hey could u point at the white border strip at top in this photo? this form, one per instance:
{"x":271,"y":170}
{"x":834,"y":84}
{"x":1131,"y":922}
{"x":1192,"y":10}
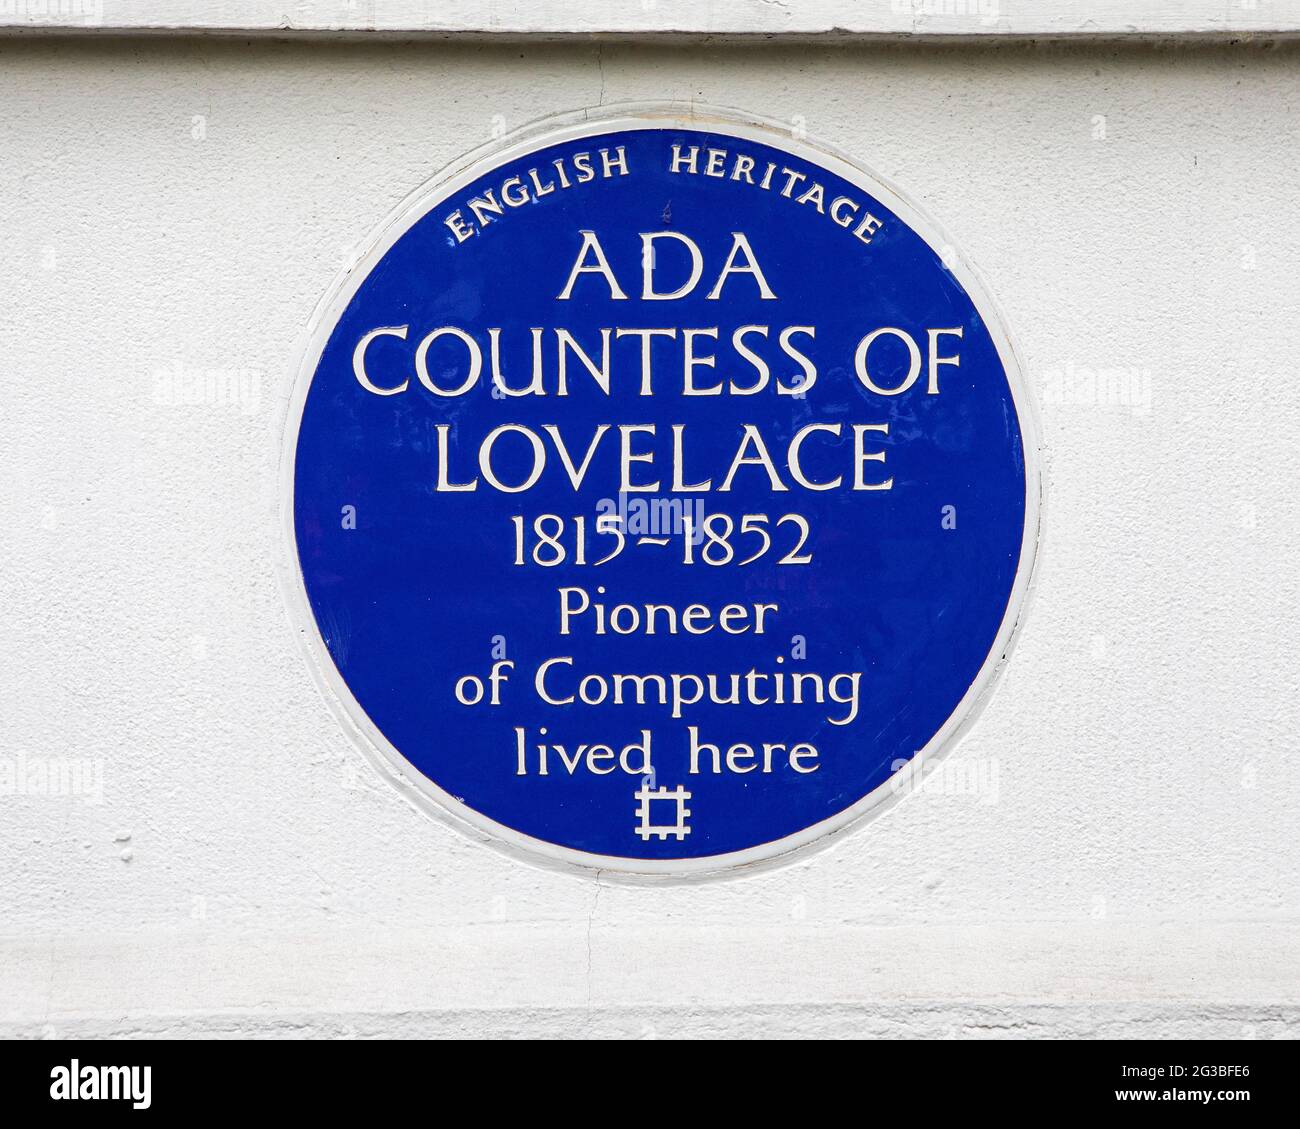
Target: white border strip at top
{"x":840,"y":19}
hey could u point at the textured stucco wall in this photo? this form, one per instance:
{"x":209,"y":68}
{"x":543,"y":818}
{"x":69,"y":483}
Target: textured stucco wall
{"x":173,"y":206}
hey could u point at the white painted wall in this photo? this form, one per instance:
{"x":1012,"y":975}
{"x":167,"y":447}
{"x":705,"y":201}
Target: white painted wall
{"x":180,"y":204}
{"x":838,"y":19}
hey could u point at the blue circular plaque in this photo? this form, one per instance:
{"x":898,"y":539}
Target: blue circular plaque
{"x":662,"y":493}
